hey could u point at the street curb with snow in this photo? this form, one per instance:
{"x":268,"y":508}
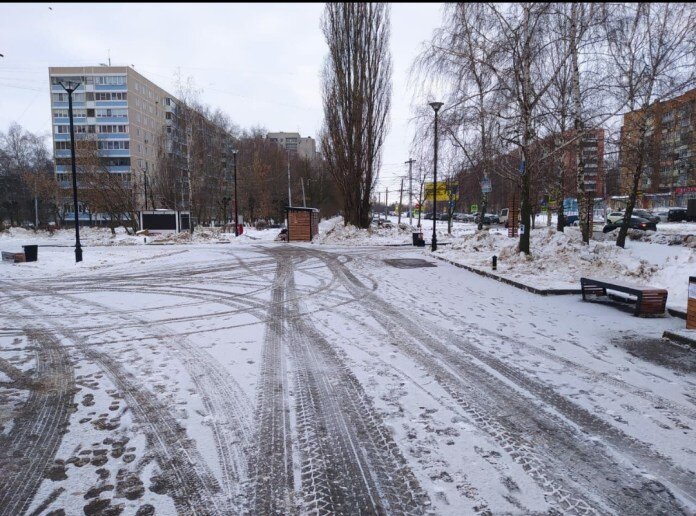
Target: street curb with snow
{"x":528,"y":288}
{"x":682,"y":337}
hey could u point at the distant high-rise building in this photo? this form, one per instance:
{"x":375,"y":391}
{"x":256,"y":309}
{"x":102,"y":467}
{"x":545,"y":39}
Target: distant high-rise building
{"x":293,"y":142}
{"x":125,"y":114}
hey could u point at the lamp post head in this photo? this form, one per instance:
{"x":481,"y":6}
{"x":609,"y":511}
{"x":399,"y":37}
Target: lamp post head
{"x":436,"y":106}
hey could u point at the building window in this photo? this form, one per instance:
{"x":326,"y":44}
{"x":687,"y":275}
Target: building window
{"x":114,"y":113}
{"x":108,"y":129}
{"x":110,"y":80}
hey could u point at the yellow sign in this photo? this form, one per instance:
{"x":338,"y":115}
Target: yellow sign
{"x":445,"y":191}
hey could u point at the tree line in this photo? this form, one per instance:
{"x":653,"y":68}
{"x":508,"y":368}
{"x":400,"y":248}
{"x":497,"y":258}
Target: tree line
{"x":523,"y":83}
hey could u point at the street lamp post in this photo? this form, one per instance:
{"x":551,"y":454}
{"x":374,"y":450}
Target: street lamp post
{"x":70,"y":89}
{"x":436,"y":107}
{"x":145,"y":181}
{"x":236,"y":203}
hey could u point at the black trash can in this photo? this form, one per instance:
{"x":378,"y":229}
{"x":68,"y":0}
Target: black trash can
{"x":418,"y":239}
{"x":31,"y":252}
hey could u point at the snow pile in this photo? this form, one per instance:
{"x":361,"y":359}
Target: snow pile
{"x":559,"y":260}
{"x":333,"y":231}
{"x":13,"y":239}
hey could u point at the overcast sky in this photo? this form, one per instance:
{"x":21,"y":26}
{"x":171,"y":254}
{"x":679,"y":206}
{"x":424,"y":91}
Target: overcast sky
{"x":259,"y":63}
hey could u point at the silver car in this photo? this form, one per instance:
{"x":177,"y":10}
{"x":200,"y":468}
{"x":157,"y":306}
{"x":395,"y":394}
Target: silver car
{"x":614,"y":216}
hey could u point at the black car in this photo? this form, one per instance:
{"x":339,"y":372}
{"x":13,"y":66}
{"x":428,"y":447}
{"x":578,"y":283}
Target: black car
{"x":634,"y":223}
{"x":489,"y":218}
{"x":676,"y":214}
{"x":644,"y":214}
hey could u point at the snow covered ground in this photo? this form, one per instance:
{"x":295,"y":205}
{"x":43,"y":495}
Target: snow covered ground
{"x":271,"y":378}
{"x":664,"y":259}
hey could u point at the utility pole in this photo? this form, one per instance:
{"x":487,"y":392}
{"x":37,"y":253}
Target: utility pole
{"x":36,"y":204}
{"x":304,"y":201}
{"x":289,"y":191}
{"x":401,"y":196}
{"x":379,"y":201}
{"x":410,"y":191}
{"x":386,"y":204}
{"x":236,"y":203}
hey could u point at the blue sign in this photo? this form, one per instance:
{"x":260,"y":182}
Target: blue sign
{"x":521,"y":167}
{"x":570,"y":206}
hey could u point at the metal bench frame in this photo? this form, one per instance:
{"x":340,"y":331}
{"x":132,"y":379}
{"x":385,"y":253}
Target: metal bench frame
{"x":650,"y":300}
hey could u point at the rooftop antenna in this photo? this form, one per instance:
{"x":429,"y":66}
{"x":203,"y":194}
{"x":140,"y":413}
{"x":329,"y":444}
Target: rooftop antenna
{"x":109,"y":55}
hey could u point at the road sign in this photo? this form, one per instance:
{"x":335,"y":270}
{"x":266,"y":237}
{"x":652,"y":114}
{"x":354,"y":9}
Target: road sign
{"x":474,"y":208}
{"x":485,"y":185}
{"x":445,"y":191}
{"x":522,"y":167}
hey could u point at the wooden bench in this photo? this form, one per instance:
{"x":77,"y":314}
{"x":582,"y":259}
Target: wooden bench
{"x":649,"y":300}
{"x":13,"y":257}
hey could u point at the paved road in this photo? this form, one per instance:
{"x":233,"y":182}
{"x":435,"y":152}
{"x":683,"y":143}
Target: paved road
{"x":307,"y":380}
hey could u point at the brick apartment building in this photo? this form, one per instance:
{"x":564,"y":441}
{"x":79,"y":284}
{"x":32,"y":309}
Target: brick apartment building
{"x":669,"y":170}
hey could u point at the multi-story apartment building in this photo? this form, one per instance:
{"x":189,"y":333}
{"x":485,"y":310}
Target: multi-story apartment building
{"x":669,"y":166}
{"x":292,"y":142}
{"x":128,"y":115}
{"x":556,"y":175}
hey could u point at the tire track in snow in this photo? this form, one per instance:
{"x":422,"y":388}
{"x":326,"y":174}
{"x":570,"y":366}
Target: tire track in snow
{"x":350,"y":462}
{"x":476,"y":389}
{"x":272,"y":486}
{"x":193,"y":488}
{"x":32,"y":443}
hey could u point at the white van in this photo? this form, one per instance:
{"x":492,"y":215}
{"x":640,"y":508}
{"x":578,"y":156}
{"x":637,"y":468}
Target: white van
{"x":504,"y":216}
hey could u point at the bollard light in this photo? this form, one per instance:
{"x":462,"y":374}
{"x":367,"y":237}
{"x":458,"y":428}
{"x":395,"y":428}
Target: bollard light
{"x":495,"y":263}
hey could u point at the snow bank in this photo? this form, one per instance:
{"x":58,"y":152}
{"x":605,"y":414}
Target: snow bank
{"x":559,"y":260}
{"x":333,"y":231}
{"x":13,"y":238}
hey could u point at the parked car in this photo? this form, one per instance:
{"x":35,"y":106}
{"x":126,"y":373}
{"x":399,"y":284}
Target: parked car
{"x":635,"y":223}
{"x":691,"y":210}
{"x":662,"y":214}
{"x":488,"y":218}
{"x":444,"y":216}
{"x":459,"y":216}
{"x":676,"y":214}
{"x":572,"y":220}
{"x":645,"y":214}
{"x":428,"y":216}
{"x":614,"y":216}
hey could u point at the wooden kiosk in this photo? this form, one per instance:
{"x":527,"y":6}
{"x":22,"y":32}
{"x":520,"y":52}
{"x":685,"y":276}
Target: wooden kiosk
{"x":303,"y":224}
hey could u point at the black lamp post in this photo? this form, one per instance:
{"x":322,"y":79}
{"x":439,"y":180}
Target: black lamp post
{"x":236,"y":203}
{"x":70,"y":88}
{"x":145,"y":178}
{"x":436,"y":107}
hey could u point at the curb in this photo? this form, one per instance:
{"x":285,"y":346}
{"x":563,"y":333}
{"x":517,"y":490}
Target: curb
{"x":674,"y":312}
{"x":533,"y":290}
{"x":681,"y":339}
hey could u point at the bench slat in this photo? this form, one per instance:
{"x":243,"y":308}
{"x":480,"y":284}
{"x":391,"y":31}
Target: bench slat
{"x":650,"y":300}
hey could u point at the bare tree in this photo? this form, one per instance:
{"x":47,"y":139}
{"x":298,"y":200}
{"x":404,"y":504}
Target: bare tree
{"x":24,"y":167}
{"x":652,"y":58}
{"x":462,"y":55}
{"x":111,"y":195}
{"x":356,"y":97}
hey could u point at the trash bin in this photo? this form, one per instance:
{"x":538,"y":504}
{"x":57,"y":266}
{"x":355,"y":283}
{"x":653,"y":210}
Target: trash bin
{"x":31,"y":252}
{"x":418,"y":239}
{"x":240,"y":229}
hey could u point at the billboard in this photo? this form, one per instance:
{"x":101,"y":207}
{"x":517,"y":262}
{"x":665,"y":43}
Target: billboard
{"x":445,"y":191}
